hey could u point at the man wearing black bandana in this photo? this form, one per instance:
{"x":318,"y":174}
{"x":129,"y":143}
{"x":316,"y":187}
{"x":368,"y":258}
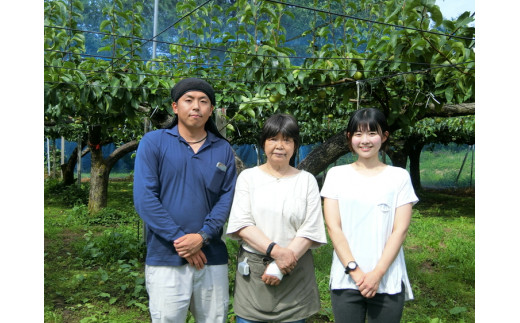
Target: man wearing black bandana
{"x":184,"y":181}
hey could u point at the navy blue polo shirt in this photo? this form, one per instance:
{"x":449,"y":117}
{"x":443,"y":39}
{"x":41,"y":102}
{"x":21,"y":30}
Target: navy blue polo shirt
{"x":177,"y":191}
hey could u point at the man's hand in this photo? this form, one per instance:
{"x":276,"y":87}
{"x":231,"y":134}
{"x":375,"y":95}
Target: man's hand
{"x":188,"y":245}
{"x":198,"y":260}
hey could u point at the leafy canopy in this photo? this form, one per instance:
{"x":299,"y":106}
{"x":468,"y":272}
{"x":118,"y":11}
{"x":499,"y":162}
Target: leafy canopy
{"x":318,"y":60}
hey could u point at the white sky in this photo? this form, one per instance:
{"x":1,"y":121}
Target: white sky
{"x":497,"y":175}
{"x":453,"y":8}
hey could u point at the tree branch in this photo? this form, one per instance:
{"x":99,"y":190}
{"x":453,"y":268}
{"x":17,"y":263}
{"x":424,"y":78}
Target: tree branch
{"x":451,"y":110}
{"x":160,"y":119}
{"x":121,"y":151}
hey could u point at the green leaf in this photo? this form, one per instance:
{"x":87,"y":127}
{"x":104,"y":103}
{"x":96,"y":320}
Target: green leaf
{"x":436,"y":15}
{"x":281,"y":89}
{"x":123,"y":42}
{"x":458,"y":310}
{"x":458,"y":46}
{"x":103,"y":24}
{"x":105,"y":48}
{"x":428,"y":3}
{"x":412,"y":5}
{"x":449,"y":94}
{"x":250,"y":112}
{"x":438,"y":76}
{"x":114,"y":84}
{"x":78,"y":4}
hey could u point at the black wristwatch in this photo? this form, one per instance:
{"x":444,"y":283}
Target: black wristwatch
{"x":351,"y":266}
{"x":205,"y":237}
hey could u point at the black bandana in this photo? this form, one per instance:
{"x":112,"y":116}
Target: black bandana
{"x":193,"y":84}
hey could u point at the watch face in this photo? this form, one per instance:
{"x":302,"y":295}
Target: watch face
{"x":352,"y":265}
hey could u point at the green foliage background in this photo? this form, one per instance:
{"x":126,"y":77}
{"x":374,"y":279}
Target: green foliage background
{"x":323,"y":58}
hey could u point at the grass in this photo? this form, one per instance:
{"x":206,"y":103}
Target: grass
{"x":440,"y":255}
{"x":440,"y":168}
{"x":94,"y":265}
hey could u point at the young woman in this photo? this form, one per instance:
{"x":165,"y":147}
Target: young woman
{"x":367,"y":208}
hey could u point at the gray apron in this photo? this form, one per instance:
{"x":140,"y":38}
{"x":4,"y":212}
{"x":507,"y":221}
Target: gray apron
{"x":296,"y":298}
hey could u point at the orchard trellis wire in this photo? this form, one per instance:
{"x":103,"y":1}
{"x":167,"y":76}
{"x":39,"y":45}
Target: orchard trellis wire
{"x":154,"y":39}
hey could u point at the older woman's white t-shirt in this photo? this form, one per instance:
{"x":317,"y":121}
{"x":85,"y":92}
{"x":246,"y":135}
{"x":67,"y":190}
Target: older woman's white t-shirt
{"x":282,"y":208}
{"x":367,"y":209}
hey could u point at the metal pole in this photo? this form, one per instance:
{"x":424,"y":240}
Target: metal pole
{"x":155,"y":15}
{"x":147,"y":123}
{"x":62,"y":150}
{"x":472,"y":161}
{"x":48,"y":158}
{"x":462,"y":166}
{"x":79,"y":161}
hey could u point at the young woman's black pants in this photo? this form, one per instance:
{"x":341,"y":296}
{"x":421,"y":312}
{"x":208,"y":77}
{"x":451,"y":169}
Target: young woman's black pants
{"x":350,"y":307}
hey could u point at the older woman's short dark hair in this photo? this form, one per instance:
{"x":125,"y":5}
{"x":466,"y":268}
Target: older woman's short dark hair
{"x":285,"y":124}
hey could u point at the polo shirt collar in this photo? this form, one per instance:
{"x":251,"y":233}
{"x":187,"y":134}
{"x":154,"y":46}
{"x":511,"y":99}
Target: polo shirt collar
{"x":175,"y":132}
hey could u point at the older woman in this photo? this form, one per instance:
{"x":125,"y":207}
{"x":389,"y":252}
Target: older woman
{"x":277,"y":217}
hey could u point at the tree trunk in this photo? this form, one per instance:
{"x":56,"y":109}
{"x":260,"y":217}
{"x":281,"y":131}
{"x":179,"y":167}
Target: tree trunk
{"x":325,"y":154}
{"x":415,"y":170}
{"x":398,"y":153}
{"x":100,"y":173}
{"x":67,"y":169}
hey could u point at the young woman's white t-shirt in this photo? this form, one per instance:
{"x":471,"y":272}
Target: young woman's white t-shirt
{"x":367,"y":209}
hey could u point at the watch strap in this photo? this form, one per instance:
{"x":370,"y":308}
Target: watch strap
{"x":205,"y":237}
{"x":269,"y":249}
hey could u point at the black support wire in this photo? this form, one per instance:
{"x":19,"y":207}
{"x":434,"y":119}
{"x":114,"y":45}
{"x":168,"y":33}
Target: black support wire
{"x":242,"y":81}
{"x":225,"y":51}
{"x":368,"y":20}
{"x":255,"y":67}
{"x":153,"y":38}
